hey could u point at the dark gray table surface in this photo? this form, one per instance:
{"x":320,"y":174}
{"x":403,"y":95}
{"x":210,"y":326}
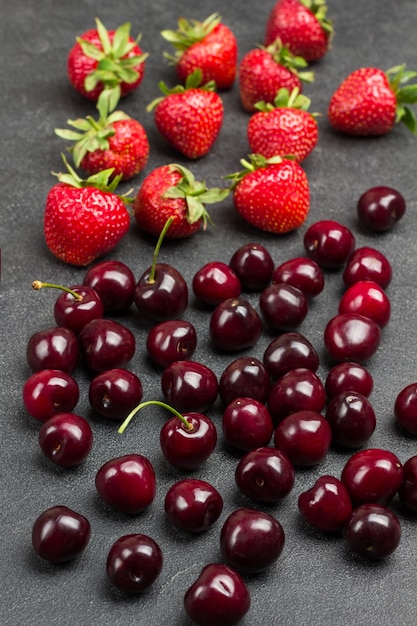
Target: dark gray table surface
{"x":316,"y":580}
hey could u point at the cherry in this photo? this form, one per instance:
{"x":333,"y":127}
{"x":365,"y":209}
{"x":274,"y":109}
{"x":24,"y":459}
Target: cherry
{"x":106,"y":344}
{"x":302,"y":273}
{"x":405,"y":408}
{"x":407,"y":492}
{"x":351,"y":418}
{"x":60,"y":534}
{"x":297,"y":390}
{"x":348,"y":376}
{"x":372,"y":475}
{"x":287,"y":352}
{"x":251,"y":541}
{"x":215,"y":282}
{"x":218,"y":597}
{"x":189,"y":386}
{"x":53,"y":348}
{"x":304,"y":437}
{"x":373,"y":531}
{"x":48,"y":392}
{"x":127,"y":483}
{"x":235,"y":325}
{"x":253,"y":265}
{"x":265,"y":475}
{"x":169,"y":341}
{"x":114,"y":282}
{"x":133,"y":563}
{"x":329,"y":243}
{"x":367,"y":298}
{"x":283,"y":306}
{"x":193,"y":505}
{"x":244,"y":376}
{"x":380,"y":208}
{"x":326,"y":505}
{"x":66,"y":439}
{"x":367,"y":263}
{"x":247,"y":424}
{"x":351,"y":337}
{"x":114,"y":393}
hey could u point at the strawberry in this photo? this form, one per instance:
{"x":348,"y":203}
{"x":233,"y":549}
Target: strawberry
{"x":209,"y":46}
{"x":114,"y":140}
{"x":84,"y":220}
{"x":171,"y":191}
{"x":189,"y":117}
{"x":370,"y":101}
{"x":284,"y":128}
{"x":271,"y":194}
{"x":109,"y":61}
{"x":265,"y":70}
{"x":301,"y":25}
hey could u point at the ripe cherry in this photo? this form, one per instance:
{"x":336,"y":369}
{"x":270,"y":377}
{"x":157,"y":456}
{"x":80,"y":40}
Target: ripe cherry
{"x":66,"y":439}
{"x":114,"y":393}
{"x":287,"y":352}
{"x":173,"y":340}
{"x":265,"y":475}
{"x":367,"y":263}
{"x":297,"y":390}
{"x":380,"y":208}
{"x":189,"y":385}
{"x":302,"y":273}
{"x":60,"y":534}
{"x":329,"y":243}
{"x":114,"y":282}
{"x":134,"y":562}
{"x":244,"y":376}
{"x":215,"y":282}
{"x":48,"y":392}
{"x":373,"y":531}
{"x":106,"y":344}
{"x":283,"y":306}
{"x":193,"y":505}
{"x":253,"y":265}
{"x":53,"y":348}
{"x":367,"y":298}
{"x":405,"y":408}
{"x":348,"y":376}
{"x":351,"y":337}
{"x":247,"y":424}
{"x":372,"y":475}
{"x":351,"y":418}
{"x":235,"y":325}
{"x":304,"y":437}
{"x":408,"y":488}
{"x":326,"y":505}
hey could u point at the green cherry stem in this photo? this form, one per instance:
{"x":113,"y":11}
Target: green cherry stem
{"x":38,"y":284}
{"x":167,"y":224}
{"x":140,"y":406}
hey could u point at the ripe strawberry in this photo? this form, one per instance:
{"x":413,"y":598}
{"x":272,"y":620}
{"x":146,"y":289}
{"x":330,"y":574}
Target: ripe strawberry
{"x":106,"y":60}
{"x":301,"y":25}
{"x":370,"y":101}
{"x":172,"y":191}
{"x":284,"y":128}
{"x":271,"y":194}
{"x":190,"y":117}
{"x":209,"y":46}
{"x":263,"y":71}
{"x":84,"y":220}
{"x":114,"y":140}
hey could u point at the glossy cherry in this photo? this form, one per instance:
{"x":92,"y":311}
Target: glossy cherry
{"x":114,"y":282}
{"x":380,"y":208}
{"x":408,"y":488}
{"x":114,"y":393}
{"x":265,"y":475}
{"x":351,"y":337}
{"x":235,"y":325}
{"x":189,"y":385}
{"x":244,"y":376}
{"x":106,"y":344}
{"x":173,"y":340}
{"x":351,"y":418}
{"x":373,"y":531}
{"x":367,"y":298}
{"x":134,"y":562}
{"x":367,"y":263}
{"x":48,"y":392}
{"x":329,"y":243}
{"x":60,"y":534}
{"x":253,"y":265}
{"x":66,"y":439}
{"x":302,"y":273}
{"x":193,"y":505}
{"x":297,"y":390}
{"x":348,"y":376}
{"x":372,"y":475}
{"x":304,"y":437}
{"x":251,"y":541}
{"x":405,"y":408}
{"x":215,"y":282}
{"x":326,"y":505}
{"x":53,"y":348}
{"x":290,"y":351}
{"x":247,"y":424}
{"x":283,"y":306}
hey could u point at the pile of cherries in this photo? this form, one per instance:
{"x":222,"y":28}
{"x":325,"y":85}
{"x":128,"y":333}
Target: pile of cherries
{"x":278,"y":399}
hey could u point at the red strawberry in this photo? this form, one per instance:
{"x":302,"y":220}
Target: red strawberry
{"x":84,"y":219}
{"x":370,"y":101}
{"x":271,"y":194}
{"x":284,"y":128}
{"x":301,"y":25}
{"x":172,"y":191}
{"x":189,"y":117}
{"x":263,"y":71}
{"x":209,"y":46}
{"x":115,"y":141}
{"x":106,"y":60}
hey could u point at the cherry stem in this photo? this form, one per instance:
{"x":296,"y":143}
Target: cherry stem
{"x":140,"y":406}
{"x":37,"y":284}
{"x":167,"y":224}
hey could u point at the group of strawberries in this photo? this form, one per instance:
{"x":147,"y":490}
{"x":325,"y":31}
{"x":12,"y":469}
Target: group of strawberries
{"x":85,"y":219}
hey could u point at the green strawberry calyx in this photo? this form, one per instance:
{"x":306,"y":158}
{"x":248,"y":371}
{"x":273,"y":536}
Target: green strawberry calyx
{"x":283,"y":56}
{"x":285,"y":99}
{"x":319,"y":10}
{"x":251,"y":164}
{"x":406,"y":94}
{"x":189,"y":32}
{"x":193,"y":81}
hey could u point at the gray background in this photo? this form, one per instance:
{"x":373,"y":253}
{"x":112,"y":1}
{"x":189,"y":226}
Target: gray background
{"x":317,"y":580}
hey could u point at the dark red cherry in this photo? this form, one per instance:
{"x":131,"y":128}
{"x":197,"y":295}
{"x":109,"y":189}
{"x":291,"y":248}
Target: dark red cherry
{"x":265,"y":475}
{"x":367,"y":298}
{"x":253,"y":265}
{"x":329,"y":243}
{"x":367,"y":263}
{"x":60,"y":534}
{"x":218,"y":597}
{"x":188,"y":446}
{"x":127,"y":483}
{"x":351,"y":418}
{"x":251,"y":541}
{"x":348,"y":376}
{"x":53,"y":348}
{"x":106,"y":344}
{"x":405,"y":408}
{"x":372,"y":475}
{"x":326,"y":505}
{"x":302,"y":273}
{"x":408,"y":488}
{"x":297,"y":390}
{"x":173,"y":340}
{"x":215,"y":282}
{"x":193,"y":505}
{"x":380,"y":208}
{"x":283,"y":306}
{"x":304,"y":437}
{"x":244,"y":376}
{"x":247,"y":424}
{"x":373,"y":531}
{"x":351,"y":337}
{"x":134,"y":562}
{"x":48,"y":392}
{"x":189,"y":386}
{"x":287,"y":352}
{"x":114,"y":282}
{"x":161,"y":295}
{"x":114,"y":393}
{"x":235,"y":325}
{"x":66,"y":439}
